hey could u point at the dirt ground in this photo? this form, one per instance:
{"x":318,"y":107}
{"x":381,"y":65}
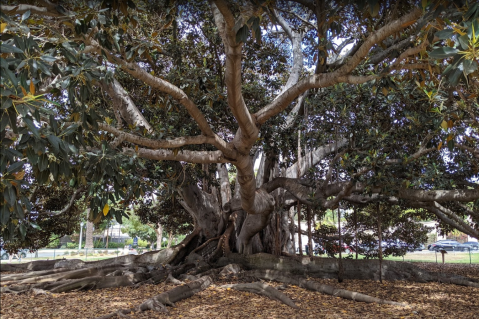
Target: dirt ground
{"x":430,"y":300}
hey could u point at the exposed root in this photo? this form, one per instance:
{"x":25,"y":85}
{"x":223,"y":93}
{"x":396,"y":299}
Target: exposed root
{"x":264,"y":290}
{"x":231,"y":269}
{"x":173,"y":280}
{"x":167,"y":298}
{"x":314,"y":286}
{"x":457,"y":281}
{"x":205,"y":244}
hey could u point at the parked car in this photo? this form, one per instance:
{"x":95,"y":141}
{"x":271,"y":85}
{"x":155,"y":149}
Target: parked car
{"x":445,"y":245}
{"x":469,"y":245}
{"x":4,"y":255}
{"x":409,"y":247}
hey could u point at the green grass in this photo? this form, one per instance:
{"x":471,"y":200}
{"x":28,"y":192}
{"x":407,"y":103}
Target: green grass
{"x":449,"y":258}
{"x":430,"y":257}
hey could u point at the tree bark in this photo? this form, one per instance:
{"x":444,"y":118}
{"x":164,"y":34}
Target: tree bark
{"x":159,"y":236}
{"x":89,"y":235}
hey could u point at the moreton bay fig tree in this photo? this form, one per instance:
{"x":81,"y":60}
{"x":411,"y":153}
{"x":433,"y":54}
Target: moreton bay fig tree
{"x":227,"y":114}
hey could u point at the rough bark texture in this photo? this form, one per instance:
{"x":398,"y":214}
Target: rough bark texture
{"x":264,"y":290}
{"x":89,"y":234}
{"x":311,"y":285}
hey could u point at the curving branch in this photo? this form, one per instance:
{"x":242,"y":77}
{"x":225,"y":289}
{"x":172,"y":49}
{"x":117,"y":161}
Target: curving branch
{"x":123,"y":104}
{"x":314,"y":157}
{"x":136,"y":71}
{"x":472,"y":150}
{"x":199,"y":157}
{"x":296,"y":39}
{"x":456,"y":218}
{"x":341,"y":74}
{"x":298,"y":190}
{"x":224,"y":20}
{"x":376,"y":38}
{"x":447,"y":218}
{"x":156,"y":144}
{"x":459,"y":195}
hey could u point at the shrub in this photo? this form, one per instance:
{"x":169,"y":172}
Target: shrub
{"x":54,"y":243}
{"x":116,"y":245}
{"x":98,"y":244}
{"x":72,"y":245}
{"x":141,"y":243}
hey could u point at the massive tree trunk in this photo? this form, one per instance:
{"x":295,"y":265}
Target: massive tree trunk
{"x":89,"y":235}
{"x":159,"y":236}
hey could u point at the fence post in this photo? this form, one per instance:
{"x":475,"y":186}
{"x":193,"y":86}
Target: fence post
{"x":53,"y":254}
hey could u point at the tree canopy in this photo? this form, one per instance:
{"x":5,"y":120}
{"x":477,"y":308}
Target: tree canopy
{"x":350,"y":102}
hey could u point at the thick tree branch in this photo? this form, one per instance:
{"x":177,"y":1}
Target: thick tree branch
{"x":314,"y":157}
{"x":156,"y":144}
{"x":125,"y":105}
{"x":136,"y":71}
{"x":200,"y":157}
{"x":296,"y":39}
{"x":376,"y":38}
{"x":460,"y":195}
{"x":474,"y":151}
{"x":446,"y":218}
{"x":248,"y":131}
{"x":299,"y":191}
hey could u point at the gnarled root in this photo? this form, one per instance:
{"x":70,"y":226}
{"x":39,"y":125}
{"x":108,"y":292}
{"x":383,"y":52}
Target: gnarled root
{"x":264,"y":290}
{"x":314,"y":286}
{"x":167,"y":298}
{"x":461,"y":281}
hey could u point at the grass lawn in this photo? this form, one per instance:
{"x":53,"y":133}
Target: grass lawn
{"x":450,"y":257}
{"x":430,"y":256}
{"x":424,"y":256}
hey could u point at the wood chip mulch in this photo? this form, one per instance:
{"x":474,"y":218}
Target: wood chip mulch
{"x":423,"y":300}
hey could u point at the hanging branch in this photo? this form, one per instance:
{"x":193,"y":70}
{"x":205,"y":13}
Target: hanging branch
{"x":310,"y":240}
{"x":380,"y":249}
{"x":340,"y":260}
{"x":299,"y":203}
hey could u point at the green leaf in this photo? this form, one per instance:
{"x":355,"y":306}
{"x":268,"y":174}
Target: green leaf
{"x":70,"y":129}
{"x":442,"y":53}
{"x":23,"y":231}
{"x":242,"y":34}
{"x":450,"y":145}
{"x":32,"y":127}
{"x":10,"y":75}
{"x":42,"y":162}
{"x":55,"y":143}
{"x":26,"y":15}
{"x":10,"y":195}
{"x":468,"y":66}
{"x":6,"y":48}
{"x":4,"y":121}
{"x":445,"y":34}
{"x":15,"y":167}
{"x":4,"y":214}
{"x":131,"y":4}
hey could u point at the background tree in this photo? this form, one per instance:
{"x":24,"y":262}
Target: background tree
{"x":135,"y":228}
